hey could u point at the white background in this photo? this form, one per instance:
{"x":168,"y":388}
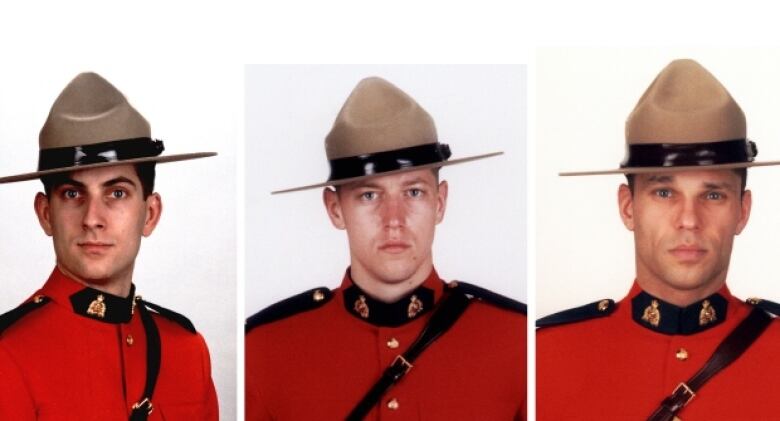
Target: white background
{"x":291,"y":245}
{"x":189,"y":262}
{"x":584,"y":96}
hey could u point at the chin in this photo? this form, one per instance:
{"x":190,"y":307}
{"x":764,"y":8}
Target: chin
{"x":395,"y":274}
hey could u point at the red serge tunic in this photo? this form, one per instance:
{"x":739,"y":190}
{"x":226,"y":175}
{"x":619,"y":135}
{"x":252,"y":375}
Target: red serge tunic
{"x":63,"y":361}
{"x":621,"y":366}
{"x":318,"y":364}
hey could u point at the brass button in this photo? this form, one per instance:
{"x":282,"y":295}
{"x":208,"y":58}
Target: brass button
{"x":393,"y":404}
{"x":38,"y":299}
{"x":603,"y":305}
{"x":129,"y":340}
{"x":753,"y":301}
{"x":682,"y":354}
{"x":392,"y":343}
{"x":453,"y":284}
{"x":318,"y":295}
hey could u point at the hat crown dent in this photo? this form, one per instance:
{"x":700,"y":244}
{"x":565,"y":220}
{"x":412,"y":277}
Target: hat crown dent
{"x":685,"y":104}
{"x":91,"y":110}
{"x":377,"y":117}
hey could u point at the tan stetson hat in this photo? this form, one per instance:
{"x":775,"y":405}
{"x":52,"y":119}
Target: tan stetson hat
{"x":685,"y":120}
{"x":381,"y":130}
{"x":90,"y":125}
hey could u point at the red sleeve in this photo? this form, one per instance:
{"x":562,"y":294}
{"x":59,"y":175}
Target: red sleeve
{"x":210,"y":394}
{"x":15,"y":400}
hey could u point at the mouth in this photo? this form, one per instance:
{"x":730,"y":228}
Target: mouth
{"x":688,"y":254}
{"x":394,"y":247}
{"x":94,"y":247}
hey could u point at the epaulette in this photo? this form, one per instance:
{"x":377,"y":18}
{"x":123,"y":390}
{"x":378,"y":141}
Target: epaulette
{"x":490,"y":297}
{"x":11,"y":317}
{"x":171,"y":315}
{"x":593,"y":310}
{"x":309,"y":300}
{"x":766,"y":305}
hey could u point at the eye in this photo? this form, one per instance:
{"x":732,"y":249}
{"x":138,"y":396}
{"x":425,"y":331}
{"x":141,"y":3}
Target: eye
{"x":368,"y":195}
{"x":415,"y":192}
{"x":118,"y":194}
{"x":663,"y":193}
{"x":70,"y":194}
{"x":713,"y":195}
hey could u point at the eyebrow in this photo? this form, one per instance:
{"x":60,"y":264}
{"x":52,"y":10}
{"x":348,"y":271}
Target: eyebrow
{"x":109,"y":183}
{"x":718,"y":186}
{"x":662,"y":179}
{"x":711,"y":185}
{"x":118,"y":180}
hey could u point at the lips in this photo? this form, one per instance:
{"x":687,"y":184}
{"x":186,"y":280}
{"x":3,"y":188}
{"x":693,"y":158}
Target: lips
{"x":94,"y":247}
{"x":394,"y":247}
{"x":688,"y":253}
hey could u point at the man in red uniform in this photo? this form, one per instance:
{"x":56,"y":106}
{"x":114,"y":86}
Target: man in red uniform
{"x":679,"y":344}
{"x":85,"y":346}
{"x":394,"y":341}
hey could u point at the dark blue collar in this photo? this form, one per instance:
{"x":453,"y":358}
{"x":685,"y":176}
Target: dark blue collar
{"x":660,"y":316}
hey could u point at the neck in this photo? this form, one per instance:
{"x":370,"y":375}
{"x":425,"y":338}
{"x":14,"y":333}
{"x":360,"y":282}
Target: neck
{"x":388,"y":291}
{"x":681,"y":297}
{"x":118,"y":286}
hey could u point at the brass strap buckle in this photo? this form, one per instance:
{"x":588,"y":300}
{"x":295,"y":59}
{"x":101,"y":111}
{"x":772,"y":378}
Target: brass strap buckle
{"x":399,"y":359}
{"x":147,"y":402}
{"x":686,"y":390}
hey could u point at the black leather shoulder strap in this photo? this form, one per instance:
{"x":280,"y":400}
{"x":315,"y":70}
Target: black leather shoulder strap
{"x":305,"y":301}
{"x":766,"y":305}
{"x":490,"y":297}
{"x":11,"y":317}
{"x":447,"y":312}
{"x":736,"y":343}
{"x":601,"y":308}
{"x":171,"y":315}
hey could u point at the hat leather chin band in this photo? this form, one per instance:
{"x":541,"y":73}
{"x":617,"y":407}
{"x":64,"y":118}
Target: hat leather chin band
{"x":380,"y":162}
{"x":690,"y":154}
{"x":113,"y":151}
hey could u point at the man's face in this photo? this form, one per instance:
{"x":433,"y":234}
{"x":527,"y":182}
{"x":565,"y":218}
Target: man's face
{"x":684,"y":225}
{"x":390,"y":222}
{"x":96,"y":220}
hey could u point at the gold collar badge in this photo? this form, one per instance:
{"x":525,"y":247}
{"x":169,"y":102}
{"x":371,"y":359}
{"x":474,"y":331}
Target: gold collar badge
{"x":415,"y":306}
{"x":651,"y":314}
{"x":97,"y":307}
{"x":707,"y":314}
{"x":361,"y":307}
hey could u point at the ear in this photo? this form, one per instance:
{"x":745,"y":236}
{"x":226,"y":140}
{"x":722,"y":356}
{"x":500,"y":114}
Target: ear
{"x":626,"y":206}
{"x":153,"y":211}
{"x":42,"y":210}
{"x":333,"y":206}
{"x":747,"y":203}
{"x":441,"y":200}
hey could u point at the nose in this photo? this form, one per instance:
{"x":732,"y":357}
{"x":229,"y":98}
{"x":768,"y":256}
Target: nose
{"x":394,"y":212}
{"x":688,"y":216}
{"x":94,"y":214}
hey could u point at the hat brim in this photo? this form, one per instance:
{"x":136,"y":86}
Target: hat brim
{"x":650,"y":170}
{"x":363,"y":177}
{"x":157,"y":159}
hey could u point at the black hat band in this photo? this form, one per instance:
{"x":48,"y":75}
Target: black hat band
{"x":689,"y":154}
{"x":114,"y":151}
{"x":380,"y":162}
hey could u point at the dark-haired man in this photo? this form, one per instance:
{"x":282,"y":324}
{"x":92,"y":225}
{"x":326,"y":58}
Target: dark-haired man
{"x":85,"y":346}
{"x":679,"y":344}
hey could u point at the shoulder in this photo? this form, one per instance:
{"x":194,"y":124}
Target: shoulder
{"x":15,"y":316}
{"x":295,"y":305}
{"x":489,"y":297}
{"x":170,"y":318}
{"x":595,"y":310}
{"x":770,"y":307}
